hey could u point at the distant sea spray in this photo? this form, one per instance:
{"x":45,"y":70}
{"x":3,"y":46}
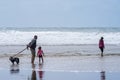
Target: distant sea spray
{"x":58,"y":36}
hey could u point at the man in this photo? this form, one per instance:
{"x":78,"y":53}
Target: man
{"x":32,"y":46}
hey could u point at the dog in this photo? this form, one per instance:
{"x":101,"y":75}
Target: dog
{"x":14,"y":59}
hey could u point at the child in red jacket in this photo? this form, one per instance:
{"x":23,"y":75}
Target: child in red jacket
{"x":40,"y":54}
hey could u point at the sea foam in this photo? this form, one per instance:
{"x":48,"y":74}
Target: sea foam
{"x":14,"y":37}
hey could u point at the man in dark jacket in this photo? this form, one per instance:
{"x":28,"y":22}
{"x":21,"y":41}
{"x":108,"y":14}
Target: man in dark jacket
{"x":32,"y":46}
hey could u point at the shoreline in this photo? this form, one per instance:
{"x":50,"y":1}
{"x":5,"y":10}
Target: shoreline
{"x":64,"y":50}
{"x":60,"y":55}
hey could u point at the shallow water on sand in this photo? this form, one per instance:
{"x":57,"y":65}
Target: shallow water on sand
{"x":62,"y":68}
{"x":17,"y":74}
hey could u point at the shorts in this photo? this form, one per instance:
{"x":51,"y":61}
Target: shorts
{"x":32,"y":52}
{"x":40,"y":56}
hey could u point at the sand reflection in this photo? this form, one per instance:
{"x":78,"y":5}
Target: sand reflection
{"x":102,"y":73}
{"x":14,"y":68}
{"x":40,"y":72}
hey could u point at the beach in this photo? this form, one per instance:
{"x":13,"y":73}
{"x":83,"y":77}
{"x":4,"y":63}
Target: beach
{"x":62,"y":67}
{"x":80,"y":39}
{"x":70,"y":54}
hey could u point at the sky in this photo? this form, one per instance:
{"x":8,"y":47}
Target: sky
{"x":59,"y":13}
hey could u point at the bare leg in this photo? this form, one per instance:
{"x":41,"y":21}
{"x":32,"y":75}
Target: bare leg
{"x":42,"y":59}
{"x":33,"y":55}
{"x":32,"y":59}
{"x":39,"y":60}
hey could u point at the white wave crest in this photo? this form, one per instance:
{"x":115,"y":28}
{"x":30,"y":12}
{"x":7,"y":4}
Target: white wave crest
{"x":13,"y":37}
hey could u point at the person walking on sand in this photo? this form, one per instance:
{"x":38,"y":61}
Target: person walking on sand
{"x":40,"y":54}
{"x":32,"y":46}
{"x":101,"y":45}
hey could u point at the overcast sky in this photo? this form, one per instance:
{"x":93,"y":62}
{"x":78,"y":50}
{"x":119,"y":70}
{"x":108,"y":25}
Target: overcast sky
{"x":60,"y":13}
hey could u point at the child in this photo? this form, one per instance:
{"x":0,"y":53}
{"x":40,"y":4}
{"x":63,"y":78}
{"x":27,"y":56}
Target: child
{"x":40,"y":53}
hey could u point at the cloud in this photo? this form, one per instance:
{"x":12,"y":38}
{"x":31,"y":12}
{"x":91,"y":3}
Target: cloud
{"x":60,"y":13}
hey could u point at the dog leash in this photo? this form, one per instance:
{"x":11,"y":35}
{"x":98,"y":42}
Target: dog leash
{"x":20,"y":52}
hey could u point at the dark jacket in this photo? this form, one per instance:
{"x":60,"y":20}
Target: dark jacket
{"x":101,"y":43}
{"x":32,"y":44}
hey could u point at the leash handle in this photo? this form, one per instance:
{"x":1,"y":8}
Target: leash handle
{"x":19,"y":52}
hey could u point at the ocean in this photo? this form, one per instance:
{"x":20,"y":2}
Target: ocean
{"x":60,"y":40}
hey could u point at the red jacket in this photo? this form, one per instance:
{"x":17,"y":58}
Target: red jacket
{"x":101,"y":43}
{"x":40,"y":52}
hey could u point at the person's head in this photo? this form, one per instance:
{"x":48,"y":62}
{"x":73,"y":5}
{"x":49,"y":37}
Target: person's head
{"x":35,"y":36}
{"x":39,"y":47}
{"x":102,"y":38}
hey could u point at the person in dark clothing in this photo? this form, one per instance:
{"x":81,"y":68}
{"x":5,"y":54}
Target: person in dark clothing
{"x":101,"y":45}
{"x":32,"y":46}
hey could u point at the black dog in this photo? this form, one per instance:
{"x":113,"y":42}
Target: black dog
{"x":14,"y":59}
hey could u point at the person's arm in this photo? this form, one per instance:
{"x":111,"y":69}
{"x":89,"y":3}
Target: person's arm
{"x":103,"y":45}
{"x":38,"y":53}
{"x":43,"y":53}
{"x":99,"y":44}
{"x":30,"y":43}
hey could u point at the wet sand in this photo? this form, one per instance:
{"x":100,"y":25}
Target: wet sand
{"x":63,"y":49}
{"x":62,"y":68}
